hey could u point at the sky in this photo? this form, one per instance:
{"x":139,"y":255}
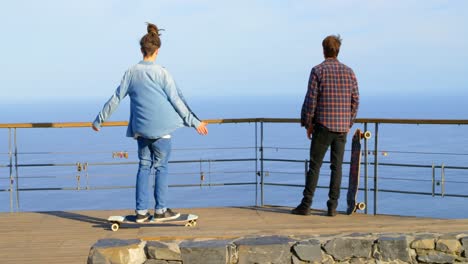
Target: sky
{"x":67,"y":50}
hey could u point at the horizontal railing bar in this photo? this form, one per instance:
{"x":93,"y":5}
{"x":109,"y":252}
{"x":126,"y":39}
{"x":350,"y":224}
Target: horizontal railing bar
{"x":84,"y":188}
{"x":128,"y":151}
{"x":286,"y":160}
{"x":213,"y":160}
{"x":226,"y":184}
{"x":227,"y":160}
{"x":383,"y":164}
{"x":61,"y":125}
{"x":362,"y":177}
{"x":212,"y":173}
{"x":456,"y":167}
{"x":245,"y":120}
{"x":213,"y":184}
{"x":125,"y":163}
{"x":371,"y":190}
{"x":387,"y":151}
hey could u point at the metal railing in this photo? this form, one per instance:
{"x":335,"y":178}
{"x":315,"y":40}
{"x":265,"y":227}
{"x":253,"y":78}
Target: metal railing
{"x":259,"y":160}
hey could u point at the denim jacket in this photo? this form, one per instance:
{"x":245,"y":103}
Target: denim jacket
{"x":157,"y":106}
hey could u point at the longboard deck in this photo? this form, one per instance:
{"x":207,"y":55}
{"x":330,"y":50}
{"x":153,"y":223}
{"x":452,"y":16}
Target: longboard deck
{"x":186,"y":219}
{"x":354,"y":171}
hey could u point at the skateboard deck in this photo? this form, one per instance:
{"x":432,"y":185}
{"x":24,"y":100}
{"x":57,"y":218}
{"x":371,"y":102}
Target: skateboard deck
{"x":354,"y":171}
{"x":188,"y":220}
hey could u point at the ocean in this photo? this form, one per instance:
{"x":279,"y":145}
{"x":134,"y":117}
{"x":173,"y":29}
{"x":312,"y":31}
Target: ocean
{"x":417,"y":146}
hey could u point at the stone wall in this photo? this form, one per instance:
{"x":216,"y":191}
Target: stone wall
{"x":351,"y":249}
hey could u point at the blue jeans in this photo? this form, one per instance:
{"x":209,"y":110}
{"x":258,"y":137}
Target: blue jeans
{"x":154,"y":155}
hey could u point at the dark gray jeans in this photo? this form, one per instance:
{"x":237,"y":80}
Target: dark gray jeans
{"x":322,"y":138}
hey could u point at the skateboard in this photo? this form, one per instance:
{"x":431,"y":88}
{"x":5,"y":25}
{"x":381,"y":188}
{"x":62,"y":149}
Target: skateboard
{"x":354,"y":170}
{"x":188,"y":220}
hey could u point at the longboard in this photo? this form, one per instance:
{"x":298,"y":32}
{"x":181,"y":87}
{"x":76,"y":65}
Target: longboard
{"x":188,"y":220}
{"x":354,"y":171}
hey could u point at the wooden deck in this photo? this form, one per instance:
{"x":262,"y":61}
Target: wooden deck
{"x":66,"y":237}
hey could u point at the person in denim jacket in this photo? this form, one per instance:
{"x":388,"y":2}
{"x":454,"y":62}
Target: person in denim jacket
{"x":157,"y":108}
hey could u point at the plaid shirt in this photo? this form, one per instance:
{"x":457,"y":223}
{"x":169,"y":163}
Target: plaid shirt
{"x":332,"y":97}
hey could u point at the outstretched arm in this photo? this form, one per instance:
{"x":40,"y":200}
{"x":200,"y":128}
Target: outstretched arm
{"x":180,"y":105}
{"x":113,"y":103}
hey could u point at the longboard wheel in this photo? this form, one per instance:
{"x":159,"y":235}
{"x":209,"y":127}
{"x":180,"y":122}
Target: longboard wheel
{"x":115,"y":226}
{"x":361,"y":206}
{"x":367,"y":135}
{"x":191,"y":223}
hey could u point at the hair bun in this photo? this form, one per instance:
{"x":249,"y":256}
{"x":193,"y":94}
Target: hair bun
{"x":152,"y":28}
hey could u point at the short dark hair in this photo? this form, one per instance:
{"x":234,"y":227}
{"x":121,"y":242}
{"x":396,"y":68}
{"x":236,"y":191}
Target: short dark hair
{"x":331,"y":46}
{"x":150,"y":42}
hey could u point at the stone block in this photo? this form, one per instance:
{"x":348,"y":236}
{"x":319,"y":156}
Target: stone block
{"x":269,"y":249}
{"x":423,"y":242}
{"x":163,"y":250}
{"x":393,"y":248}
{"x":308,"y":250}
{"x":431,"y":256}
{"x":347,"y":247}
{"x":449,"y":245}
{"x":117,"y":251}
{"x":208,"y":251}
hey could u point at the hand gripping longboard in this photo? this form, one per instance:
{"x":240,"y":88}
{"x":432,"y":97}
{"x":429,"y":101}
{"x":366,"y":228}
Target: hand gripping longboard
{"x":189,"y":220}
{"x":354,"y":171}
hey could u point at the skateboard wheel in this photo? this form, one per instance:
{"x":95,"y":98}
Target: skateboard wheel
{"x":115,"y":226}
{"x":367,"y":135}
{"x":191,"y":223}
{"x":361,"y":206}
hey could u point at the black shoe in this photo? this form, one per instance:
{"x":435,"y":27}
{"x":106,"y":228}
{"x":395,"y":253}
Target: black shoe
{"x":142,"y":218}
{"x":168,"y":215}
{"x":350,"y":210}
{"x":331,"y":212}
{"x":301,"y":209}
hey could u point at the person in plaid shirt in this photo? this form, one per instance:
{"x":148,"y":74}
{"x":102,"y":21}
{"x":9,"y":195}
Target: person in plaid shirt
{"x":329,"y":109}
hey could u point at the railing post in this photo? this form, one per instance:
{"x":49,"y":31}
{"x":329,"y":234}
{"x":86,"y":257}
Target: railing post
{"x":366,"y":175}
{"x":376,"y":140}
{"x":87,"y":175}
{"x":442,"y":181}
{"x":261,"y":165}
{"x":79,"y":167}
{"x":11,"y":170}
{"x":256,"y":164}
{"x":433,"y":179}
{"x":16,"y":171}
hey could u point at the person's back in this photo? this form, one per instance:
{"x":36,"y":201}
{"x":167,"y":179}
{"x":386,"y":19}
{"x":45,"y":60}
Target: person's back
{"x":152,"y":110}
{"x":336,"y":83}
